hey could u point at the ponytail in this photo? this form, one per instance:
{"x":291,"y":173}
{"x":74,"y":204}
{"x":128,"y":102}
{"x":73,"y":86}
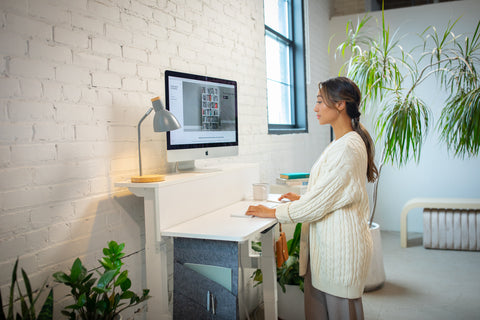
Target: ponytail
{"x":372,"y":171}
{"x":344,"y":89}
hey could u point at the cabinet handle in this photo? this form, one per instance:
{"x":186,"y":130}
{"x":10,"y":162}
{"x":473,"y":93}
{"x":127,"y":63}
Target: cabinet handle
{"x":208,"y":300}
{"x":211,"y":302}
{"x":213,"y":305}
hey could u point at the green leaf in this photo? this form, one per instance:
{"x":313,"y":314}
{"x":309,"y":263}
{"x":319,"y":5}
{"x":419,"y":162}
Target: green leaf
{"x":61,"y":277}
{"x":90,"y":283}
{"x":125,"y":285}
{"x":460,"y":123}
{"x":105,"y":279}
{"x":86,"y":278}
{"x":257,"y":277}
{"x":99,"y":290}
{"x":403,"y":124}
{"x":121,"y":278}
{"x":12,"y":287}
{"x":28,"y":287}
{"x":107,"y":263}
{"x":2,"y":314}
{"x":127,"y":295}
{"x":82,"y":299}
{"x":120,"y":247}
{"x":101,"y":307}
{"x":112,"y":245}
{"x":294,"y":243}
{"x":46,"y":313}
{"x":23,"y":305}
{"x":76,"y":270}
{"x":257,"y":246}
{"x":117,"y":264}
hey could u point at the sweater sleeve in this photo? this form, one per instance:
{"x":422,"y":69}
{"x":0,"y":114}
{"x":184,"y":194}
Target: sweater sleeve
{"x":335,"y":188}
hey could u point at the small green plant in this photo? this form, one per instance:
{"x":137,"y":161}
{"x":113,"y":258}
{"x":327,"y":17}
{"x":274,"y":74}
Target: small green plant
{"x":289,"y":272}
{"x":27,"y":301}
{"x":109,"y":296}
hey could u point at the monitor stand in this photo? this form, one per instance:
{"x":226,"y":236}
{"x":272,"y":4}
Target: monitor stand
{"x":189,"y":166}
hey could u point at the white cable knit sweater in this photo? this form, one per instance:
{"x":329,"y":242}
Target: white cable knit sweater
{"x":334,"y":213}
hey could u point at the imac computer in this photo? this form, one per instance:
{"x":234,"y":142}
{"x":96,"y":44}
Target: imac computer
{"x":206,"y":108}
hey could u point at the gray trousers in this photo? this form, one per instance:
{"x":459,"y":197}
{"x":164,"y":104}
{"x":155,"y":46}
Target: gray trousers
{"x":323,"y":306}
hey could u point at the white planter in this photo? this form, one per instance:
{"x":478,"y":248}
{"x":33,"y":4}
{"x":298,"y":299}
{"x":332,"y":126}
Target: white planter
{"x":376,"y":272}
{"x":290,"y":304}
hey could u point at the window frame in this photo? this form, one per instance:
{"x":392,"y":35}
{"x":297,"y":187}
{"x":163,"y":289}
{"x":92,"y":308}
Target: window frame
{"x":297,"y":70}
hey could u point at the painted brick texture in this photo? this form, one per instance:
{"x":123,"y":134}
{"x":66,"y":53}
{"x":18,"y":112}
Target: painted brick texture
{"x":75,"y":78}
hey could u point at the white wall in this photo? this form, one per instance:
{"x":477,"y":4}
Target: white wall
{"x":75,"y":78}
{"x":438,"y":174}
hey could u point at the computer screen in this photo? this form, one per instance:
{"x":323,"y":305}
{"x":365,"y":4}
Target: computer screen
{"x":206,"y":108}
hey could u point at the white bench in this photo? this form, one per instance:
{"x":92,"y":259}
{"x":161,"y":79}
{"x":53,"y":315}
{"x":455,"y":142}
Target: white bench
{"x":432,"y":203}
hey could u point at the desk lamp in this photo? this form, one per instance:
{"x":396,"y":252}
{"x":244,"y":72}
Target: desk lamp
{"x":162,"y":121}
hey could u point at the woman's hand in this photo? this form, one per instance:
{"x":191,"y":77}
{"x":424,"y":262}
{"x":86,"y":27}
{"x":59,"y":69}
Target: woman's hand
{"x":260,"y":211}
{"x":290,"y":196}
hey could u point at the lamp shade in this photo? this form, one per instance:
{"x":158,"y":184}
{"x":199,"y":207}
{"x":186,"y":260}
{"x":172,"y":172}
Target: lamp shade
{"x":163,"y":119}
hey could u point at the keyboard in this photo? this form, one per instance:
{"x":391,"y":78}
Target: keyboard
{"x":241,"y":213}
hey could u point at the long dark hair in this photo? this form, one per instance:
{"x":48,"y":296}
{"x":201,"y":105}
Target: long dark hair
{"x":343,"y":89}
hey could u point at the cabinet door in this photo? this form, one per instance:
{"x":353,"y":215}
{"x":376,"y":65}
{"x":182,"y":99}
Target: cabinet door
{"x":190,"y":288}
{"x":197,"y":297}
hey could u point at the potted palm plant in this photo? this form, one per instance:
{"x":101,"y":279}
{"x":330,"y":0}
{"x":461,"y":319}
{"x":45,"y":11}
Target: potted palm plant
{"x":106,"y":297}
{"x":389,"y":77}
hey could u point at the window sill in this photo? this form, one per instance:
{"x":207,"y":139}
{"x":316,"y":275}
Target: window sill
{"x":287,"y":131}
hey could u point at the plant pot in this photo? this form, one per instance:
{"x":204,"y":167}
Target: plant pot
{"x":376,"y":272}
{"x":290,"y":304}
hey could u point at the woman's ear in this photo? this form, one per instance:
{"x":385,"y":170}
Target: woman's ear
{"x":341,"y":106}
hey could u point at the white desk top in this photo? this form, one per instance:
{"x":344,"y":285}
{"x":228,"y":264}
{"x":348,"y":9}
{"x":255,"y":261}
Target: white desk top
{"x":185,"y":177}
{"x":172,"y":178}
{"x":220,"y":225}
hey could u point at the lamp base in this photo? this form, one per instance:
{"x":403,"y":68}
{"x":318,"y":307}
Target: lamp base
{"x":148,"y":178}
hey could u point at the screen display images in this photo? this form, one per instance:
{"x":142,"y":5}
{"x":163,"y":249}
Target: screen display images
{"x":206,"y":108}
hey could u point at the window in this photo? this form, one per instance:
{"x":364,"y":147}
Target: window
{"x":286,"y":90}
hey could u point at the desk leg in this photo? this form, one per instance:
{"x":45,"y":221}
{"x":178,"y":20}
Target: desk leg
{"x":156,"y":265}
{"x":269,"y":270}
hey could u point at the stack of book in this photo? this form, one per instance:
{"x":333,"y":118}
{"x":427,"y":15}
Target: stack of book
{"x":293,"y":179}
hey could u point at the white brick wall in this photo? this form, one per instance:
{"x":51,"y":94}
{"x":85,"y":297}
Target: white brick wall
{"x":75,"y":78}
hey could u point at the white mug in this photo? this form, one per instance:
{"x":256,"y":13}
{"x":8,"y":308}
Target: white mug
{"x":261,"y":191}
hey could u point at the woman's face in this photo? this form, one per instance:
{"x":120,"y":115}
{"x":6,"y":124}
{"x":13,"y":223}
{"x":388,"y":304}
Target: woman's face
{"x":325,"y":114}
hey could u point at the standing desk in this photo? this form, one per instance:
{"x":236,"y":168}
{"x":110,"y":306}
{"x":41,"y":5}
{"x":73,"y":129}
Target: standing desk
{"x":198,"y":206}
{"x":214,"y":240}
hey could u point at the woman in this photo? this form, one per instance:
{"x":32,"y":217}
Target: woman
{"x":335,"y":245}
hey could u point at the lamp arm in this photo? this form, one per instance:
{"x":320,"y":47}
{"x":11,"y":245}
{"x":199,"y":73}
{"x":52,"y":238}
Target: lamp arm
{"x":138,"y":129}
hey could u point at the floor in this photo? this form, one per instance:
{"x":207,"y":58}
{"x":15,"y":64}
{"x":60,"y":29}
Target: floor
{"x":424,"y":283}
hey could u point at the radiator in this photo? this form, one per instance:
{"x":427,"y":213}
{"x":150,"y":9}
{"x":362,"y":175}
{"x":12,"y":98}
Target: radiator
{"x":451,"y":229}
